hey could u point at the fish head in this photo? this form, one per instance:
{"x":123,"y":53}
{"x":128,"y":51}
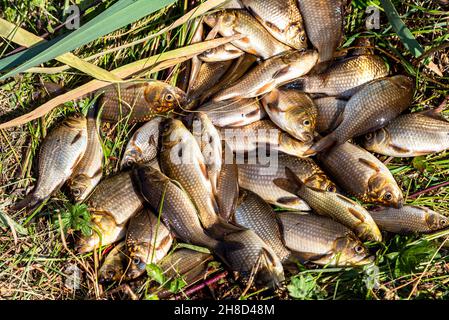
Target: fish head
{"x":372,"y":140}
{"x":225,"y":18}
{"x":435,"y":221}
{"x":131,"y":157}
{"x":349,"y":250}
{"x":137,"y":262}
{"x":384,"y":190}
{"x":320,"y":181}
{"x":81,"y":187}
{"x":293,"y":146}
{"x":271,"y":271}
{"x":103,"y":225}
{"x":76,"y":121}
{"x":403,"y":82}
{"x":296,"y":35}
{"x":368,"y":230}
{"x":162,"y":97}
{"x":301,"y":60}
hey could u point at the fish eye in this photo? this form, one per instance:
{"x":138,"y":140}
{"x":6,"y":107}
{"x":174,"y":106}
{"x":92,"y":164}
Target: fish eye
{"x":76,"y":192}
{"x":303,"y":38}
{"x":169,"y":97}
{"x":136,"y":260}
{"x":359,"y":249}
{"x":443,"y":222}
{"x":129,"y":162}
{"x":306,"y":123}
{"x":111,"y":274}
{"x":369,"y":136}
{"x":388,"y":196}
{"x":331,"y":189}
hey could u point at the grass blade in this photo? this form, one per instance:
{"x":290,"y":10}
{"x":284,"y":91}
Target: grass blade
{"x":401,"y":29}
{"x":24,"y":38}
{"x":118,"y":15}
{"x":156,"y":63}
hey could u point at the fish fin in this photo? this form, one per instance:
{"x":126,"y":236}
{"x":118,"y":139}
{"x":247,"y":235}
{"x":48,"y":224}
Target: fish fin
{"x":29,"y":202}
{"x":369,"y":164}
{"x":356,"y":214}
{"x":299,"y":84}
{"x":399,"y":149}
{"x":279,"y":73}
{"x":322,"y":145}
{"x":77,"y":137}
{"x":287,"y":200}
{"x":271,"y":101}
{"x":286,"y":184}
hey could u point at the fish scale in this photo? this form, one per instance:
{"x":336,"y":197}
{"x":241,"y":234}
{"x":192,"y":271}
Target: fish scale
{"x":259,"y":178}
{"x":324,"y":25}
{"x":60,"y":152}
{"x":409,"y":219}
{"x":370,"y":178}
{"x":88,"y":172}
{"x":270,"y":74}
{"x":208,"y":75}
{"x":329,"y":111}
{"x":142,"y":146}
{"x":410,"y":135}
{"x":282,"y":19}
{"x":344,"y":78}
{"x":235,"y":113}
{"x":373,"y":107}
{"x":255,"y":214}
{"x":322,"y":240}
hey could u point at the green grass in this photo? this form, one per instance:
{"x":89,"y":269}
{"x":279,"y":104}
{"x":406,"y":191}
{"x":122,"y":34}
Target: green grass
{"x":33,"y":266}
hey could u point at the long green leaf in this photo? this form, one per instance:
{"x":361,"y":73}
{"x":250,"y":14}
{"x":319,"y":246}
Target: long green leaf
{"x":117,"y":16}
{"x":401,"y":29}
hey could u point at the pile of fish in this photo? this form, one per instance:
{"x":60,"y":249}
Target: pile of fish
{"x":268,"y":121}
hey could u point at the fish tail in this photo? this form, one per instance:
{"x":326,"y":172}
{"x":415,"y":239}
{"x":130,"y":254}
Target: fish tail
{"x":325,"y":143}
{"x":30,"y":202}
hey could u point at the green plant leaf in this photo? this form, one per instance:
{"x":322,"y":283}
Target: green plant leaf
{"x":118,"y":15}
{"x":401,"y":29}
{"x":156,"y":273}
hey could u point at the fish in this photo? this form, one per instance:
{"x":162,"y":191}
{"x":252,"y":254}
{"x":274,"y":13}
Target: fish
{"x":238,"y":69}
{"x":221,"y":53}
{"x":259,"y":178}
{"x":362,"y":175}
{"x":343,"y":78}
{"x":255,"y":214}
{"x":256,"y":39}
{"x":329,"y":114}
{"x":142,"y":147}
{"x":251,"y":255}
{"x":60,"y":153}
{"x":140,"y":101}
{"x":410,"y":135}
{"x":114,"y":266}
{"x":270,"y":74}
{"x":147,"y":241}
{"x":371,"y":108}
{"x":334,"y":205}
{"x":261,"y":134}
{"x":322,"y":240}
{"x":292,"y":111}
{"x":409,"y":219}
{"x":234,"y":113}
{"x":88,"y":172}
{"x":209,"y":74}
{"x":282,"y":19}
{"x":227,"y":189}
{"x":176,"y":209}
{"x":323,"y":22}
{"x":113,"y":202}
{"x":208,"y":138}
{"x":181,"y":160}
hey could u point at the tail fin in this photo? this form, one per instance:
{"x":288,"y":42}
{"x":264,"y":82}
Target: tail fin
{"x":322,"y":145}
{"x":29,"y":202}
